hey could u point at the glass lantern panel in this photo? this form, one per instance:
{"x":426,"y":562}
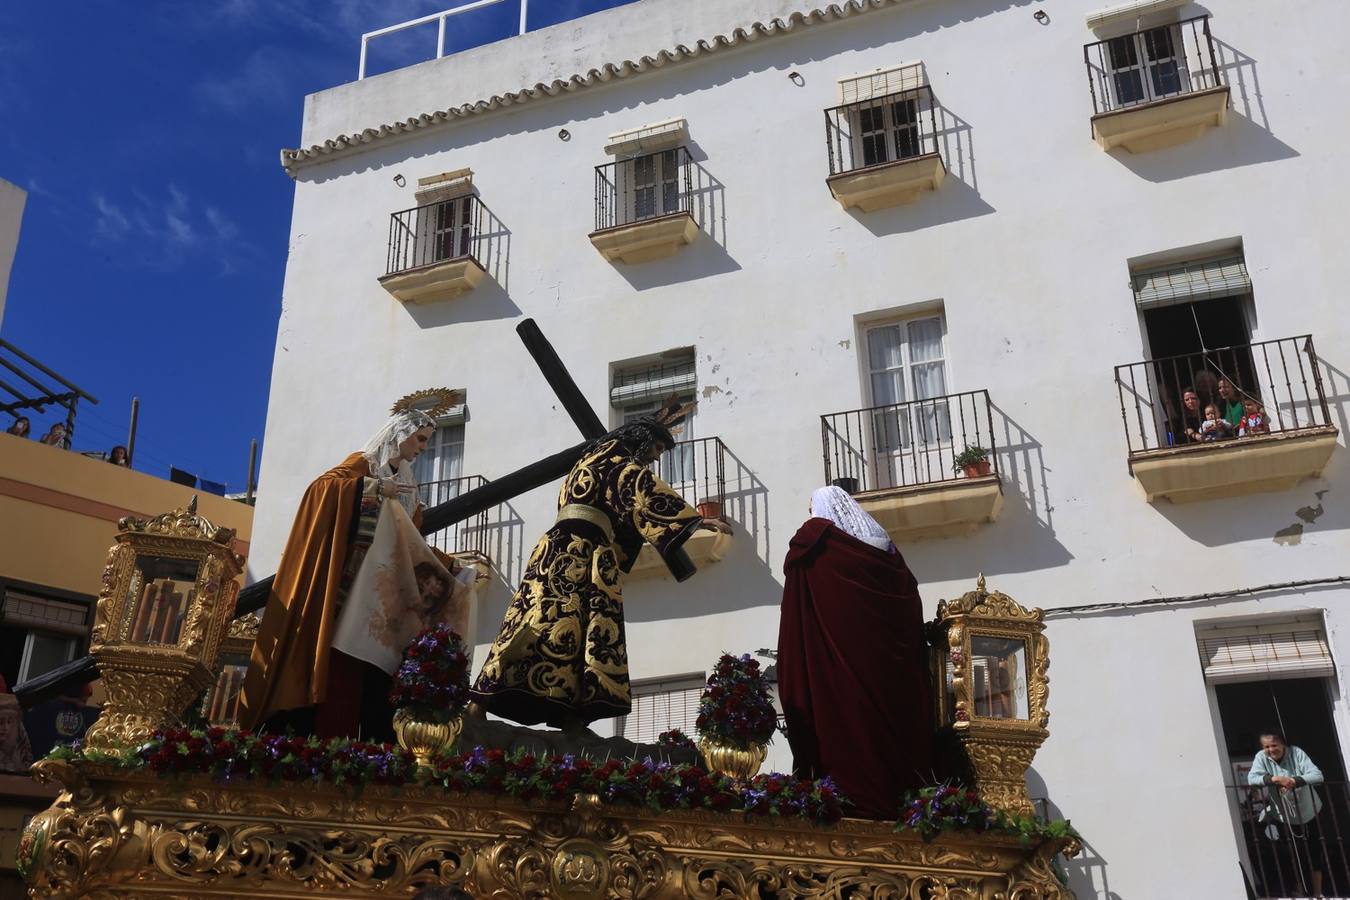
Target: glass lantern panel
{"x":222,"y":702}
{"x":999,"y":677}
{"x":162,"y":589}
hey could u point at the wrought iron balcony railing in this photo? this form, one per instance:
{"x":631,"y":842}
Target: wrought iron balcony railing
{"x":643,"y":187}
{"x":881,"y":130}
{"x":469,"y":536}
{"x":438,"y":232}
{"x":696,"y":469}
{"x":1290,"y":852}
{"x":906,"y":444}
{"x":1152,"y":65}
{"x":1163,"y":401}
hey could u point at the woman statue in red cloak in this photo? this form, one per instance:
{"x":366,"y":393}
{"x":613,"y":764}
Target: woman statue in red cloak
{"x":852,"y":659}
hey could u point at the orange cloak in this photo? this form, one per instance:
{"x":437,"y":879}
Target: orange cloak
{"x":289,"y":665}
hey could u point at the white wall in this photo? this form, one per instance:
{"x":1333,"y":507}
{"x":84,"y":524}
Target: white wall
{"x":12,"y":200}
{"x":1025,"y":246}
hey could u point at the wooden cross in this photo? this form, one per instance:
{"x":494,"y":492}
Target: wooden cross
{"x":464,"y":507}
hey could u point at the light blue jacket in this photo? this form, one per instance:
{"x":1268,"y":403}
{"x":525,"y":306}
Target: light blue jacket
{"x":1296,"y":807}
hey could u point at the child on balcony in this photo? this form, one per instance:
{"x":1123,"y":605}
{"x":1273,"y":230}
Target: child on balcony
{"x":1215,"y":427}
{"x":1254,"y":419}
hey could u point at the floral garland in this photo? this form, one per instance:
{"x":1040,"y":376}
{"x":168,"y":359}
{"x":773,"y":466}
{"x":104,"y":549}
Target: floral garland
{"x":675,"y":739}
{"x":241,"y":755}
{"x":735,"y":709}
{"x":931,"y":811}
{"x":432,"y":682}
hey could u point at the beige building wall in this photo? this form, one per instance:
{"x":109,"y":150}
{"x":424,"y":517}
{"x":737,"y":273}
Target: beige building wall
{"x":12,"y":201}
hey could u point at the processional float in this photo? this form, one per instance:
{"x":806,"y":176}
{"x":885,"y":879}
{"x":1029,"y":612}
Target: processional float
{"x":119,"y":829}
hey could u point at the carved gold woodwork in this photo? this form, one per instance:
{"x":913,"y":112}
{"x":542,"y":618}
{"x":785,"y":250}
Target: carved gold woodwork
{"x":168,"y":592}
{"x":990,"y":658}
{"x":118,"y":833}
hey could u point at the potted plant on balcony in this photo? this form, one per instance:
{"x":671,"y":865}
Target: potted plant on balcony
{"x":430,"y":691}
{"x":974,"y":461}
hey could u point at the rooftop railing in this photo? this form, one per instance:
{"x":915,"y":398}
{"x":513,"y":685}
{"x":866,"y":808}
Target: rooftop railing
{"x":696,"y":469}
{"x":1151,"y":65}
{"x":1294,"y":840}
{"x":643,"y":187}
{"x":1281,"y":377}
{"x":467,"y":537}
{"x":881,"y":130}
{"x":437,"y":232}
{"x":906,"y":444}
{"x":440,"y":20}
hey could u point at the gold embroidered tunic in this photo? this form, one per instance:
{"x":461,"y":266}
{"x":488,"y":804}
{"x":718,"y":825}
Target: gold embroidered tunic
{"x":561,"y":651}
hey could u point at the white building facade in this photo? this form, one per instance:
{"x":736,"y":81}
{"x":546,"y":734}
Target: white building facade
{"x":1041,"y":193}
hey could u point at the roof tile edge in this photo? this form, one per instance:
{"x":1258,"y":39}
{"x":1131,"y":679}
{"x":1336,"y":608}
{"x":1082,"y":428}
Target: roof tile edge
{"x":294,"y":159}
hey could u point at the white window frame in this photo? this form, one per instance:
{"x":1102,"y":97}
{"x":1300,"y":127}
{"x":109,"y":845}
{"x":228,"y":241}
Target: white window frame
{"x":1146,"y":67}
{"x":680,"y":459}
{"x":890,"y":129}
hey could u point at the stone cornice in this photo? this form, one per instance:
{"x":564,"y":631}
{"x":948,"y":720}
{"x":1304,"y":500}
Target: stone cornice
{"x":294,"y":159}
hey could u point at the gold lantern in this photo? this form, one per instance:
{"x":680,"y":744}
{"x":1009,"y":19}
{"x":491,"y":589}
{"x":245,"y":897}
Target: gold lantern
{"x":168,"y":594}
{"x":990,"y":657}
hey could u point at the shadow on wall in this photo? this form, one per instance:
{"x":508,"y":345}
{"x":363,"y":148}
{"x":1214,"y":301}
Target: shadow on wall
{"x":1088,"y":870}
{"x":1022,"y":540}
{"x":959,"y":195}
{"x":491,"y":299}
{"x":505,"y":538}
{"x":707,"y":255}
{"x":743,"y":580}
{"x":1244,"y":140}
{"x":1285,"y":517}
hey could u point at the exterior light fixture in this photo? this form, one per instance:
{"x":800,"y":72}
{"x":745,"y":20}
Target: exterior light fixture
{"x":1041,"y":16}
{"x":564,"y":134}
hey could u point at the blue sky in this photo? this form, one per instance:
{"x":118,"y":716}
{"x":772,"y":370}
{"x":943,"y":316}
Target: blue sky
{"x":154,"y":242}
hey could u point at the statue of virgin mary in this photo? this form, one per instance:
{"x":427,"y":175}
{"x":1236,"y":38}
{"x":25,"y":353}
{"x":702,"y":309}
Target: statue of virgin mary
{"x":355,"y":583}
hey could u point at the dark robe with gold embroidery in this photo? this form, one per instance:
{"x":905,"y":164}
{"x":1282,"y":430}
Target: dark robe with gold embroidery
{"x":561,"y":651}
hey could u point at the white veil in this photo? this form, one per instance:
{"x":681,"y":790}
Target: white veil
{"x":382,"y":450}
{"x":835,"y":504}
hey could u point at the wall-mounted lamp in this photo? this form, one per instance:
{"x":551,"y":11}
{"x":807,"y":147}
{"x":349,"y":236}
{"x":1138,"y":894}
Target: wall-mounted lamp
{"x":400,"y":180}
{"x":796,"y":78}
{"x":1041,"y":16}
{"x":564,"y":134}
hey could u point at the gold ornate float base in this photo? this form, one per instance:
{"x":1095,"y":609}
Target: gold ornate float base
{"x":115,"y":833}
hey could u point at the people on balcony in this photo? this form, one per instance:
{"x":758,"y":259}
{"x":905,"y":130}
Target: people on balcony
{"x":347,"y":595}
{"x":1230,"y":403}
{"x":852,"y":659}
{"x":1215,"y":427}
{"x":1290,"y":816}
{"x":20,"y":427}
{"x":1254,"y":419}
{"x":56,"y":436}
{"x":1188,"y":427}
{"x":118,"y":456}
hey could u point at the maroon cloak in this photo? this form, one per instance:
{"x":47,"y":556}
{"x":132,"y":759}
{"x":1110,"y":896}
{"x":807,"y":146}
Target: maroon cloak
{"x":853,"y":669}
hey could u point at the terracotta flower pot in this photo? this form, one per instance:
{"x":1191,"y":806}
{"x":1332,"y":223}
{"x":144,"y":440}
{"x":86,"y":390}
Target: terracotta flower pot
{"x":710,"y":509}
{"x":425,"y":740}
{"x":976,"y":470}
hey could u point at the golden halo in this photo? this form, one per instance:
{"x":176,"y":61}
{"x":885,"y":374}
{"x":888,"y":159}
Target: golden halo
{"x":432,"y":401}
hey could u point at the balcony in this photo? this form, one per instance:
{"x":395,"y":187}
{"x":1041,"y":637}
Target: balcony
{"x":643,"y":207}
{"x":883,"y":151}
{"x":1162,"y":403}
{"x":1155,"y":88}
{"x":467,"y":541}
{"x":437,"y":251}
{"x":696,"y":469}
{"x":1303,"y":862}
{"x":900,"y":463}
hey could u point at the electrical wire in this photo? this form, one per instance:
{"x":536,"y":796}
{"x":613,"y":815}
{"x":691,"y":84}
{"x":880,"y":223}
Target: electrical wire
{"x":1066,"y":611}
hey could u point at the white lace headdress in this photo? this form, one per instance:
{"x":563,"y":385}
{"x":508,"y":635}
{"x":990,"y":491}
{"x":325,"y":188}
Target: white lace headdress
{"x":382,"y":449}
{"x":835,"y":504}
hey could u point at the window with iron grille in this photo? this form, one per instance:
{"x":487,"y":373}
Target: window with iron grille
{"x":661,"y":705}
{"x":1147,"y":66}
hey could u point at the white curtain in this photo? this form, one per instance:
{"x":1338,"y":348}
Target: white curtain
{"x":440,"y":463}
{"x":929,"y":371}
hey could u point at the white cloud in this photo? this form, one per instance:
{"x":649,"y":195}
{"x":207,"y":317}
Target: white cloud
{"x":168,"y":230}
